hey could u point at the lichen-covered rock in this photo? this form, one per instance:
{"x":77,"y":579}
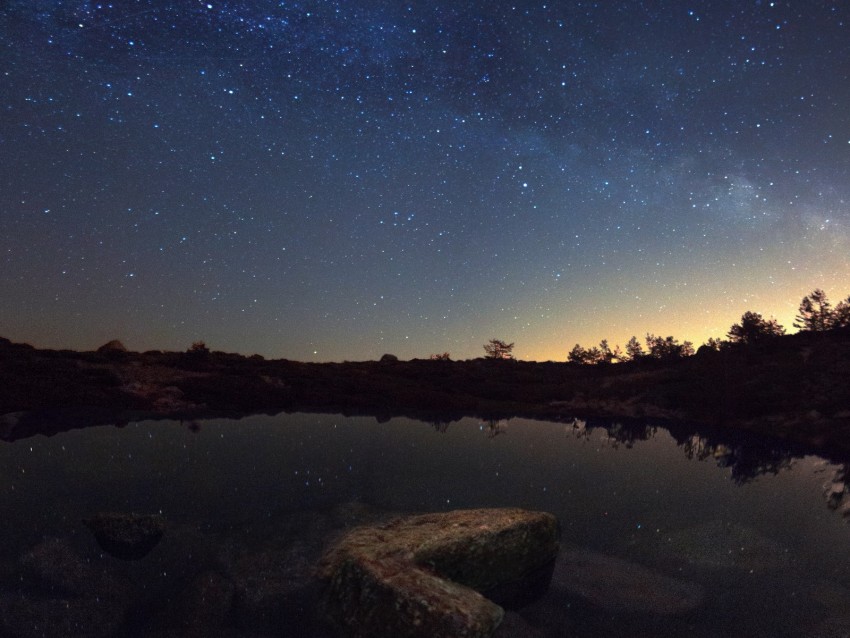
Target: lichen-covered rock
{"x":127,"y":536}
{"x":422,"y":575}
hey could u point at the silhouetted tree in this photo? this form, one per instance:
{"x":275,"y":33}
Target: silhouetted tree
{"x":577,"y":355}
{"x":606,"y":355}
{"x":633,"y":349}
{"x":816,"y":312}
{"x":199,"y":348}
{"x":498,"y":349}
{"x":668,"y":348}
{"x":441,"y":357}
{"x":591,"y":355}
{"x":618,"y":354}
{"x":713,"y":344}
{"x":841,"y":315}
{"x":754,"y":328}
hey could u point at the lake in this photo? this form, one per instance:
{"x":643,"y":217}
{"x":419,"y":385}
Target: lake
{"x":665,"y":531}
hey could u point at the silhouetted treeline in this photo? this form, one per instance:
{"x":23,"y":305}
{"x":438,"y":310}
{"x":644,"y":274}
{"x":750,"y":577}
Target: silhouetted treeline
{"x":792,"y":386}
{"x":816,"y":314}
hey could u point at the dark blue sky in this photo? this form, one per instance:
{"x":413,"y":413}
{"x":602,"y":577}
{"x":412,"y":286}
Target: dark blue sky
{"x":336,"y":180}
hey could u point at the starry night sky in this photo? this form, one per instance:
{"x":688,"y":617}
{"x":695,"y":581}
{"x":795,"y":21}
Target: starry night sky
{"x":337,"y":180}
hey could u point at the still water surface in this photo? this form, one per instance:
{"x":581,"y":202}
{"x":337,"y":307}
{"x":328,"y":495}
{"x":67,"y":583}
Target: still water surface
{"x":749,"y":528}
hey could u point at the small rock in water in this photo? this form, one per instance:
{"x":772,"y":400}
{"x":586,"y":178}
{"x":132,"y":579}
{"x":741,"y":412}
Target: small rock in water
{"x":421,"y":576}
{"x":127,"y":536}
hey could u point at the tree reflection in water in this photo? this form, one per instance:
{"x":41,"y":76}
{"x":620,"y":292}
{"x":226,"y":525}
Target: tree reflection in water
{"x":494,"y":427}
{"x":626,"y":435}
{"x":745,"y":462}
{"x":745,"y":456}
{"x":440,"y":426}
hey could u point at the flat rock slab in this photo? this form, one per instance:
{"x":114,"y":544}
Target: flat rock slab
{"x":422,"y":575}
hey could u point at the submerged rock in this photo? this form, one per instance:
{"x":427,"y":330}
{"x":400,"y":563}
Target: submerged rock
{"x":423,"y":575}
{"x":127,"y":536}
{"x":205,"y":605}
{"x":723,"y":545}
{"x":57,"y":568}
{"x":275,"y":588}
{"x":56,"y":592}
{"x":27,"y":617}
{"x":618,"y":585}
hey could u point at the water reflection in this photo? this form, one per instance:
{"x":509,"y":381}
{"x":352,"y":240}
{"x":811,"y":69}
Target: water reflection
{"x":250,"y":505}
{"x":745,"y":456}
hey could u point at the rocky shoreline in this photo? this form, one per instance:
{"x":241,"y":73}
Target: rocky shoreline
{"x":793,"y":387}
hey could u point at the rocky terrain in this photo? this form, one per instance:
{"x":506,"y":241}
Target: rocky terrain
{"x":794,"y":387}
{"x":266,"y":579}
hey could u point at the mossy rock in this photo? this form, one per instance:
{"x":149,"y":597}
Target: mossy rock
{"x":429,"y":575}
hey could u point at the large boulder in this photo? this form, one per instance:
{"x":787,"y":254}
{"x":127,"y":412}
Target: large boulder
{"x":428,"y":575}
